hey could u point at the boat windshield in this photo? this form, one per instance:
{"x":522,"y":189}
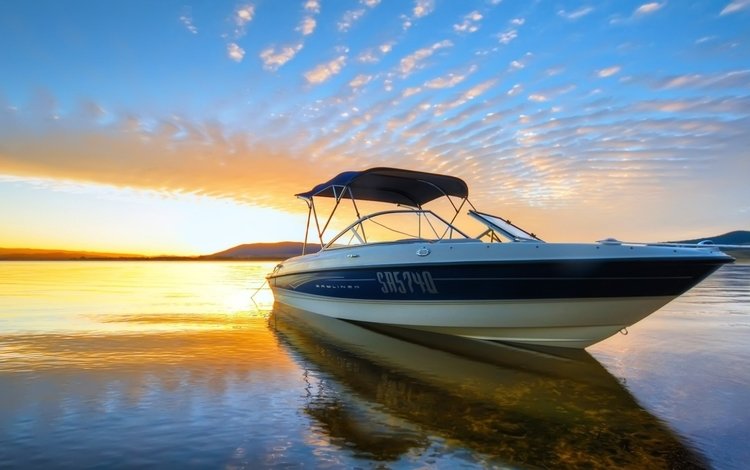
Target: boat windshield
{"x":397,"y":226}
{"x":498,"y":227}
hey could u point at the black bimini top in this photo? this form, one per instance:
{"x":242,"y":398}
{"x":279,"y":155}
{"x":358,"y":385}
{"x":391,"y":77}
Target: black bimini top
{"x":392,"y":185}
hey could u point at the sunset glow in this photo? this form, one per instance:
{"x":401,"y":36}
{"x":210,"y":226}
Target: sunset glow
{"x":179,"y":128}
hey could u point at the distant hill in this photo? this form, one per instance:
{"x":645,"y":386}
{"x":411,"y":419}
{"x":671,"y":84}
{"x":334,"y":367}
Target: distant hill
{"x":31,"y":254}
{"x":283,"y":250}
{"x":269,"y":251}
{"x":738,"y":237}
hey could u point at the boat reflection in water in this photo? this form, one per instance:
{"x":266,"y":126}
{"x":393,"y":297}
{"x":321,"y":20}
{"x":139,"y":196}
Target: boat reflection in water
{"x":388,"y":398}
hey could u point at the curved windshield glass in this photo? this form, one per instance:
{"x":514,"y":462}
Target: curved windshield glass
{"x":394,"y":226}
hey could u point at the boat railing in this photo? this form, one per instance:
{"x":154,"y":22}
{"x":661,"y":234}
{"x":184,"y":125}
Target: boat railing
{"x":371,"y":228}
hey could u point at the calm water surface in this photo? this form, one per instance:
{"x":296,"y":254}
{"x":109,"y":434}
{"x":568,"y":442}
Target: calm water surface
{"x":147,"y":364}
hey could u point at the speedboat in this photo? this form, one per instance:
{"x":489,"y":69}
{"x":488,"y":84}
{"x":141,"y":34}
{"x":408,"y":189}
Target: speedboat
{"x":417,"y":267}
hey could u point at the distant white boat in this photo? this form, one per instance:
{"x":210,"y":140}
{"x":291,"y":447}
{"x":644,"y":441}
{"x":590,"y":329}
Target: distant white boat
{"x":409,"y":267}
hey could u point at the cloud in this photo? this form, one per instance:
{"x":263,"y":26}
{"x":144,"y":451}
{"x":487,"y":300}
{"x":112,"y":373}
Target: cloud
{"x":411,"y":91}
{"x":515,"y":90}
{"x":470,"y":23}
{"x":450,"y":80}
{"x":423,"y":8}
{"x":187,"y":20}
{"x":235,"y":52}
{"x":466,"y":96}
{"x":480,"y":89}
{"x":575,"y":14}
{"x":307,"y":25}
{"x":323,"y":72}
{"x":608,"y":72}
{"x":721,"y":81}
{"x":360,"y":80}
{"x":273,"y":59}
{"x":386,"y":47}
{"x":518,"y":64}
{"x":413,"y":61}
{"x":735,"y":6}
{"x":648,"y":8}
{"x":242,"y":16}
{"x":349,"y":18}
{"x":406,"y":22}
{"x":374,"y":55}
{"x":370,"y":3}
{"x":508,"y":36}
{"x":196,"y":163}
{"x":312,"y":6}
{"x":705,"y":39}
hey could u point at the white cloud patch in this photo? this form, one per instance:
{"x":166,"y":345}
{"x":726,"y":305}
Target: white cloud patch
{"x":470,"y":23}
{"x":705,"y":39}
{"x":450,"y":80}
{"x":370,"y":3}
{"x":312,"y":6}
{"x":307,"y":25}
{"x":411,"y":91}
{"x":413,"y":61}
{"x":478,"y":90}
{"x":406,"y":22}
{"x":648,"y":8}
{"x":187,"y":21}
{"x":349,"y":18}
{"x":423,"y":8}
{"x":608,"y":72}
{"x":515,"y":90}
{"x":575,"y":14}
{"x":323,"y":72}
{"x":508,"y":36}
{"x":360,"y":81}
{"x":244,"y":14}
{"x":735,"y":6}
{"x":235,"y":52}
{"x":273,"y":59}
{"x":373,"y":56}
{"x":727,"y":80}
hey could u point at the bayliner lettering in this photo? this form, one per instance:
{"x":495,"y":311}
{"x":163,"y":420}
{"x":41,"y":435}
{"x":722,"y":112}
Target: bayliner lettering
{"x":402,"y":282}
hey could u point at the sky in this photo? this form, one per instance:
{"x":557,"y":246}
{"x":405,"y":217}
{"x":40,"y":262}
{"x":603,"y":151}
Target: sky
{"x":164,"y":127}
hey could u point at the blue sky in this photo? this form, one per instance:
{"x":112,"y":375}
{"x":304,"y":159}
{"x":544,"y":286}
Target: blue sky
{"x":578,"y":119}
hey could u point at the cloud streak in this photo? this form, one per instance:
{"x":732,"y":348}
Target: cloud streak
{"x":323,"y":72}
{"x":735,"y":6}
{"x":415,"y":60}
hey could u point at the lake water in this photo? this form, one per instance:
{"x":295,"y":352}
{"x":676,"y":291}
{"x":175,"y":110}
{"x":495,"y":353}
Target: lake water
{"x":149,"y":364}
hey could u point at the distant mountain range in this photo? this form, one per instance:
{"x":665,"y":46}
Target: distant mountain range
{"x":738,"y":237}
{"x":268,"y":251}
{"x":280,"y":250}
{"x":20,"y":254}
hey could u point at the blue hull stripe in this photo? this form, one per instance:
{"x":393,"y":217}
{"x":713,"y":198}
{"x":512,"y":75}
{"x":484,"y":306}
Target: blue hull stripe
{"x":504,"y":281}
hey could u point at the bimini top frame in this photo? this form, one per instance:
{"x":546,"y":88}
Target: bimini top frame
{"x":390,"y":185}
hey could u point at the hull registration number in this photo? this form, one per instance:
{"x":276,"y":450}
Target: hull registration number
{"x":403,"y":282}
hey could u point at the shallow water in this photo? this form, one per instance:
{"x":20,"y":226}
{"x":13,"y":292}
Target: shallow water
{"x":147,"y":364}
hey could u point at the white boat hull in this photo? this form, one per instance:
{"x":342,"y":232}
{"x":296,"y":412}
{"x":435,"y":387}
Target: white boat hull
{"x":570,"y":323}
